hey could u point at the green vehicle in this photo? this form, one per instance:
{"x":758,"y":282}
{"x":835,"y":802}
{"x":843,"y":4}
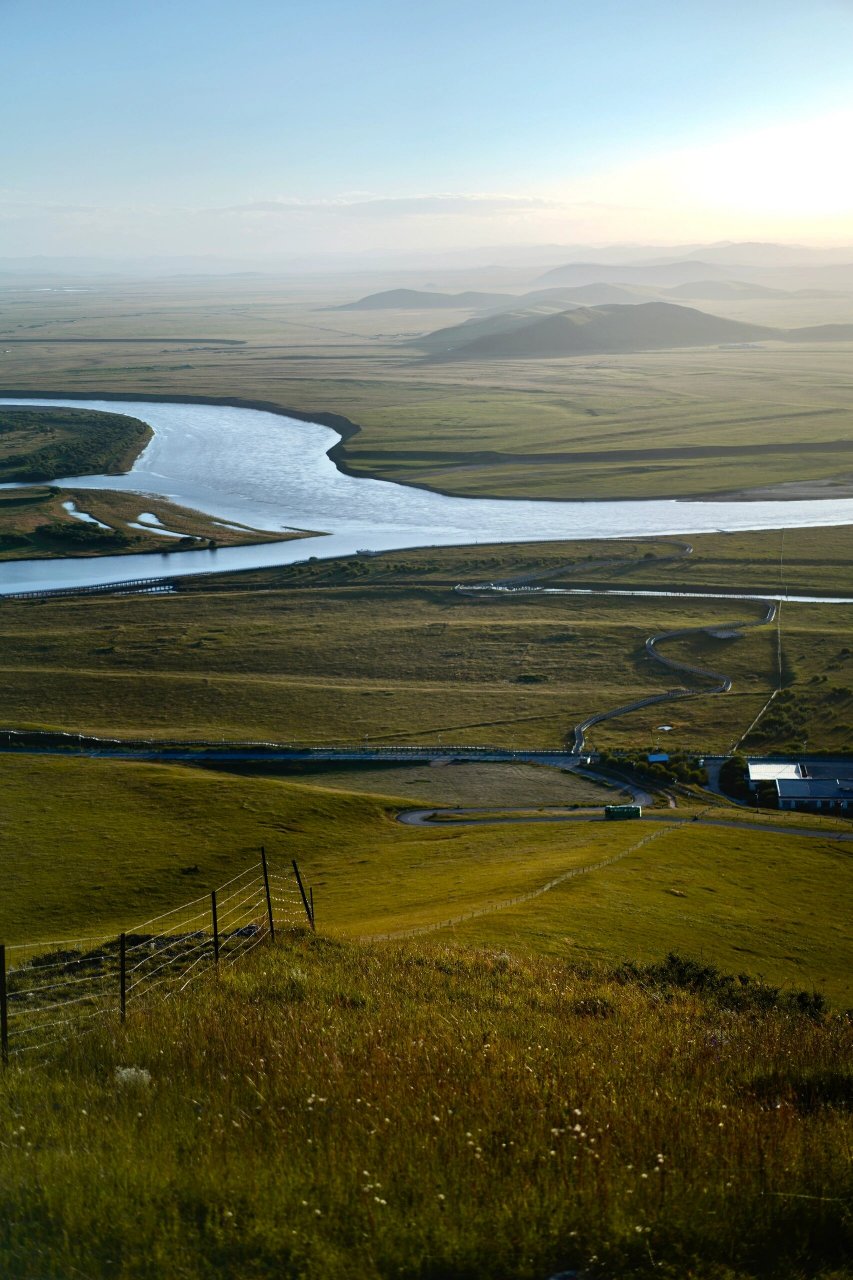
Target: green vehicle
{"x":618,"y":812}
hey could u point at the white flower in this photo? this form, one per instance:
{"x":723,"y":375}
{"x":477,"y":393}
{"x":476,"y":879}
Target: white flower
{"x":132,"y":1076}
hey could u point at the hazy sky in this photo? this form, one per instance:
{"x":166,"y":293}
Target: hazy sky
{"x":176,"y":126}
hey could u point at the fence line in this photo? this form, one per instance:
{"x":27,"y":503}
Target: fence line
{"x":51,"y":991}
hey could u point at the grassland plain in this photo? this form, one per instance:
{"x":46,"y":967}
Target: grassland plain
{"x":112,"y":843}
{"x":816,"y":561}
{"x":398,"y":664}
{"x":435,"y":1114}
{"x":383,"y":649}
{"x":778,"y":415}
{"x":288,"y":1119}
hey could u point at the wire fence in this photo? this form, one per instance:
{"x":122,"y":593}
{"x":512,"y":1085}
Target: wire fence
{"x":51,"y":991}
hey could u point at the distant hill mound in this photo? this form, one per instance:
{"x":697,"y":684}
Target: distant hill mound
{"x":481,"y":327}
{"x":820,"y":333}
{"x":609,"y":329}
{"x":589,"y":295}
{"x":537,"y":305}
{"x":666,"y":274}
{"x":420,"y":300}
{"x":725,"y":290}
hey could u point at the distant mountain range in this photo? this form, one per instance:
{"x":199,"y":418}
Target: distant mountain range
{"x":726,"y":290}
{"x":596,"y":284}
{"x":420,"y":300}
{"x":609,"y":329}
{"x":555,"y":299}
{"x":664,"y":274}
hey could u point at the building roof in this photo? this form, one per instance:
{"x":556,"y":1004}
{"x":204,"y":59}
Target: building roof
{"x":770,"y":771}
{"x":814,"y":789}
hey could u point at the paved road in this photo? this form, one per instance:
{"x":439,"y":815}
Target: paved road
{"x":479,"y":817}
{"x":34,"y":742}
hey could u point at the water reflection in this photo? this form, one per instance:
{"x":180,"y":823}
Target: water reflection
{"x":272,"y":472}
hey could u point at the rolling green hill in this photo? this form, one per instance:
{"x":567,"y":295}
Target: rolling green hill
{"x":610,"y":329}
{"x":614,"y":328}
{"x":482,"y":327}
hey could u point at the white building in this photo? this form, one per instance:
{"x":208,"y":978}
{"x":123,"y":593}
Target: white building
{"x":770,"y":771}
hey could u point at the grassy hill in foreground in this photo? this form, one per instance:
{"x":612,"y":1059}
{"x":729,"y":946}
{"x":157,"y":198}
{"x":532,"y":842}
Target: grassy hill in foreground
{"x":138,"y":839}
{"x":335,"y":1109}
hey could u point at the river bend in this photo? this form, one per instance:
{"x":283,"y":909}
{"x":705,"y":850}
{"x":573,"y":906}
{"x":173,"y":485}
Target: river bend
{"x":274,"y":473}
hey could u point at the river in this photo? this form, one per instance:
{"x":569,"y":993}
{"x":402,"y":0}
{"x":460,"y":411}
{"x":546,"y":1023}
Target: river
{"x":274,"y":473}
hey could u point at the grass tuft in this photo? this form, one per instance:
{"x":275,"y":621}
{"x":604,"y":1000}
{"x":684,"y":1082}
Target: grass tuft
{"x":428,"y":1112}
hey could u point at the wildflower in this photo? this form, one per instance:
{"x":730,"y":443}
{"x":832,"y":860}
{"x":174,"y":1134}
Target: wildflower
{"x":439,"y":1196}
{"x":132,"y":1076}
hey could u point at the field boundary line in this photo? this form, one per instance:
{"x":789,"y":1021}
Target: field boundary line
{"x":529,"y":896}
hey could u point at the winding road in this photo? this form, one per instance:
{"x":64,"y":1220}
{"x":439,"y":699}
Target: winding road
{"x":719,"y":681}
{"x":482,"y":817}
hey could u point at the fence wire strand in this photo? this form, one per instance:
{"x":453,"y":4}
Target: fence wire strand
{"x":162,"y":955}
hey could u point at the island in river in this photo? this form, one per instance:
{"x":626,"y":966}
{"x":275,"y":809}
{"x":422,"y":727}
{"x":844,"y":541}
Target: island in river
{"x":40,"y":521}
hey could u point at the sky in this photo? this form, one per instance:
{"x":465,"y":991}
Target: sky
{"x":272,"y":128}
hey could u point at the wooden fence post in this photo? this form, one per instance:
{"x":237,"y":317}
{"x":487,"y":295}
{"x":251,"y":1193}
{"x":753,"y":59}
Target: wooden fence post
{"x":122,"y":973}
{"x":267,"y":889}
{"x":305,"y":902}
{"x":215,"y":928}
{"x":4,"y":1008}
{"x":311,"y":901}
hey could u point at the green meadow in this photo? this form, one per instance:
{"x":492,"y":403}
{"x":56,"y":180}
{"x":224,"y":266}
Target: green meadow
{"x":430,"y":1112}
{"x":536,"y":1083}
{"x":112,"y":843}
{"x":385,"y":651}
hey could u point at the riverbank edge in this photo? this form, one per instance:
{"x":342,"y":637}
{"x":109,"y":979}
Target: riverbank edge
{"x":344,"y":427}
{"x":121,"y":465}
{"x":347,"y":430}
